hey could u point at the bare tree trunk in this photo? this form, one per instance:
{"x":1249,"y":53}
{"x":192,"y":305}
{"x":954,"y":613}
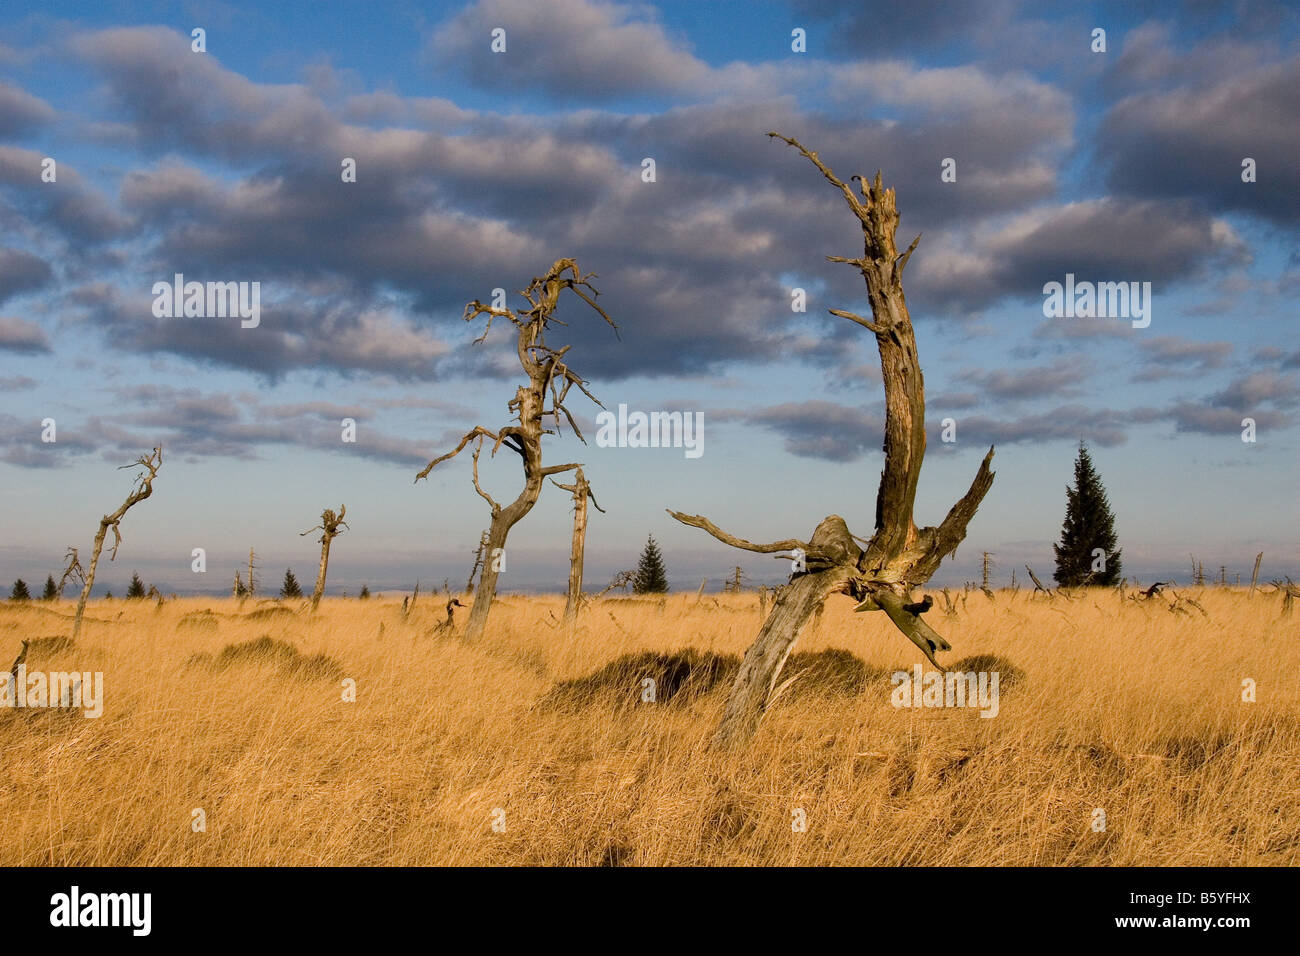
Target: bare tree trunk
{"x":762,"y":664}
{"x":577,"y":551}
{"x":581,"y":490}
{"x":1254,"y":578}
{"x":487,"y":581}
{"x":330,"y":525}
{"x":142,"y":489}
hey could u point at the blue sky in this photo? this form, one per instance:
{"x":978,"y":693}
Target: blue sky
{"x":476,"y":170}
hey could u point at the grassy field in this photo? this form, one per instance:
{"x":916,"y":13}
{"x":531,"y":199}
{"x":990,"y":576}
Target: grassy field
{"x":533,"y":746}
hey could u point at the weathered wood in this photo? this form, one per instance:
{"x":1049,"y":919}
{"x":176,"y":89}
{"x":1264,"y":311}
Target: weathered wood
{"x":899,"y":556}
{"x":331,"y":525}
{"x":765,"y":658}
{"x":1038,"y":585}
{"x":581,"y":491}
{"x":141,"y":489}
{"x":548,"y":377}
{"x":1254,"y":577}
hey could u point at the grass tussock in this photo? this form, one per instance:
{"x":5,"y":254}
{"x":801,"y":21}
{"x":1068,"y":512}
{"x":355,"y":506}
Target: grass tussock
{"x":1113,"y":704}
{"x":286,"y":658}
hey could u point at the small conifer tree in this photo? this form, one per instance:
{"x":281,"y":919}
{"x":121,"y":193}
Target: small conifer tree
{"x":1089,"y":526}
{"x":651,"y":577}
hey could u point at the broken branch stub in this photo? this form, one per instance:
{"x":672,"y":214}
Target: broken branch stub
{"x":898,"y":556}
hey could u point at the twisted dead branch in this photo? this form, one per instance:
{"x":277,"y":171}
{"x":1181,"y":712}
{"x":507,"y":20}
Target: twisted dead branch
{"x":899,"y":556}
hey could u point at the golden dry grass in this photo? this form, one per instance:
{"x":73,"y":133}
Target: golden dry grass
{"x":1130,"y":709}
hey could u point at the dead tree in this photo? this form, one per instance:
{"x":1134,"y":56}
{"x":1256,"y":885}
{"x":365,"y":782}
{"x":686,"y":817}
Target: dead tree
{"x":985,"y":568}
{"x":581,"y":491}
{"x":549,"y":377}
{"x":734,"y":584}
{"x":1289,"y":593}
{"x":330,"y":523}
{"x":899,"y":556}
{"x":250,"y":589}
{"x":73,"y":571}
{"x":141,"y":488}
{"x":1254,"y":577}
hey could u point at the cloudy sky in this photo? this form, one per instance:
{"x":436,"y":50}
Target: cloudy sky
{"x":476,"y":169}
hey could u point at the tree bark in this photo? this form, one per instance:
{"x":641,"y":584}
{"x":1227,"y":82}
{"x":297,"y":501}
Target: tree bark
{"x":581,"y":491}
{"x":762,"y":664}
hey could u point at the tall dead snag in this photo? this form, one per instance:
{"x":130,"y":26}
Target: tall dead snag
{"x":549,"y":377}
{"x":899,"y":555}
{"x":141,"y":489}
{"x":330,"y":524}
{"x":581,"y":491}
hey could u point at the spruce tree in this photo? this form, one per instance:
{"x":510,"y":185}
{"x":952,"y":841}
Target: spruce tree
{"x":651,"y":578}
{"x":136,"y":588}
{"x":51,"y":591}
{"x":20,"y":592}
{"x":1088,"y":525}
{"x":290,"y":588}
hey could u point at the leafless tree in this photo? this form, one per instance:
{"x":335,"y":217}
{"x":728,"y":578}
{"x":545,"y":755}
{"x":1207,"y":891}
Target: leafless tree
{"x":330,"y":525}
{"x":73,"y":571}
{"x":141,"y":488}
{"x":899,"y":556}
{"x":581,"y":491}
{"x":549,"y":378}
